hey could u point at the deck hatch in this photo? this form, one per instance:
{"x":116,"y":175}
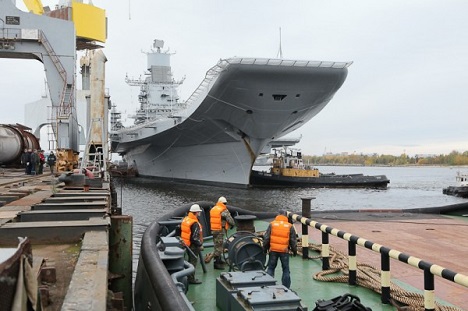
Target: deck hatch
{"x":228,"y":285}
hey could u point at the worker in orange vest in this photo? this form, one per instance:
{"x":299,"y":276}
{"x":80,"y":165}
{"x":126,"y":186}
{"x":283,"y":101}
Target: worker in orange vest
{"x":191,"y":232}
{"x":220,"y":221}
{"x":279,"y":239}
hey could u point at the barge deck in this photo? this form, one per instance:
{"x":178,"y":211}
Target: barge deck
{"x":433,"y":238}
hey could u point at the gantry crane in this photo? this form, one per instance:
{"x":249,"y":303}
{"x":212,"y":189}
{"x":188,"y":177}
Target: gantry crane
{"x":53,"y":37}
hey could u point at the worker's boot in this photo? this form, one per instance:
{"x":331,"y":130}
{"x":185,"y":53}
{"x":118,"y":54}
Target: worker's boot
{"x":195,"y":281}
{"x":218,"y":265}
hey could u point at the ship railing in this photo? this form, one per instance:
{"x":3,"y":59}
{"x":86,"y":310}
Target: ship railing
{"x":147,"y":121}
{"x":289,"y":63}
{"x":8,"y":38}
{"x":386,"y":253}
{"x":204,"y":87}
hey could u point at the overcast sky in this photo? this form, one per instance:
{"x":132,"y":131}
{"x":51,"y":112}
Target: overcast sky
{"x":407,"y":90}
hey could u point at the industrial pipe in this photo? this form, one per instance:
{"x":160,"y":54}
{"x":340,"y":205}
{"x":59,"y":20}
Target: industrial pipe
{"x":13,"y":140}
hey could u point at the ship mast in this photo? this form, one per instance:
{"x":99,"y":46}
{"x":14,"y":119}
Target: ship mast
{"x":280,"y":51}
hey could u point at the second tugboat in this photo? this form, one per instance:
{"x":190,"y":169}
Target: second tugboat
{"x":461,"y":189}
{"x":288,"y":170}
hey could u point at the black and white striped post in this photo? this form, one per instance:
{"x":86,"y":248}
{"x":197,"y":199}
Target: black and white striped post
{"x":385,"y":274}
{"x":429,"y":294}
{"x":352,"y":263}
{"x":306,"y":212}
{"x":325,"y":251}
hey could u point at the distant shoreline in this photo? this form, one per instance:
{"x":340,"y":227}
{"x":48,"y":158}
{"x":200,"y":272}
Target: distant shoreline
{"x":391,"y":165}
{"x":381,"y":165}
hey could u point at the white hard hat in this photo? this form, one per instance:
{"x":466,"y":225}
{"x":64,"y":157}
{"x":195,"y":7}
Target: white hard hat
{"x":195,"y":208}
{"x":222,"y":200}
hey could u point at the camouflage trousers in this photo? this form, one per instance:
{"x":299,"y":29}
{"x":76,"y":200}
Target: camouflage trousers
{"x":218,"y":240}
{"x":193,"y":259}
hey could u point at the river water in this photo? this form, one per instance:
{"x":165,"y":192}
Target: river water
{"x":410,"y":187}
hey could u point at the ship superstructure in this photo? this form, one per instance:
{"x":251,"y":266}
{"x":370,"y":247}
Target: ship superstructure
{"x":158,"y":96}
{"x":215,"y":136}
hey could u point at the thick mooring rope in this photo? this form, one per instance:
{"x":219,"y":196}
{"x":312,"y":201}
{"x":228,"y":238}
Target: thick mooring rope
{"x":369,"y":277}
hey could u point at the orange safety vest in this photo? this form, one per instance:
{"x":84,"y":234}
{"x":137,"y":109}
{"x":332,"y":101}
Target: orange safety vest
{"x":279,"y":238}
{"x":215,"y":217}
{"x":186,"y":226}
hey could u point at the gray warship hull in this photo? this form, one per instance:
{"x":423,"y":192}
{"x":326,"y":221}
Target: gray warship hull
{"x":230,"y":119}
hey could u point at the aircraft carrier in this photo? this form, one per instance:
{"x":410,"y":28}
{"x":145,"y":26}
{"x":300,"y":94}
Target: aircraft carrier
{"x":215,"y":136}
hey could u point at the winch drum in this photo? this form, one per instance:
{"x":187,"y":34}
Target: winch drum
{"x":245,"y":252}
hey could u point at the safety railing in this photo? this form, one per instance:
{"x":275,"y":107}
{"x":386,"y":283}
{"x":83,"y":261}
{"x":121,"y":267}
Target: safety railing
{"x":288,"y":62}
{"x":10,"y":33}
{"x":430,"y":270}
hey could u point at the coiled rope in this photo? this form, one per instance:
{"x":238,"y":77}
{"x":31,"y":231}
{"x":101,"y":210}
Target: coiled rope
{"x":369,"y":277}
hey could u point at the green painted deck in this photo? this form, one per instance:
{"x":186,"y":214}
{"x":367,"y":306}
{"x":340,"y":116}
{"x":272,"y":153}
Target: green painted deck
{"x":309,"y":290}
{"x":203,"y":296}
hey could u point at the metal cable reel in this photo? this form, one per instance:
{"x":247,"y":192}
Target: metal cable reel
{"x":244,"y":252}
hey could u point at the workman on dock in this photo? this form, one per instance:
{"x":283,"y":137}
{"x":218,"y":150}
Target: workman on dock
{"x":25,"y":159}
{"x":40,"y":169}
{"x":51,"y":159}
{"x":191,"y":232}
{"x":34,"y":162}
{"x":220,"y":221}
{"x":279,"y":239}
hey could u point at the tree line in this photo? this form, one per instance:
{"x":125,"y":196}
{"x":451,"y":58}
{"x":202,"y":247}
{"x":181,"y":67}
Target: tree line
{"x":453,"y":158}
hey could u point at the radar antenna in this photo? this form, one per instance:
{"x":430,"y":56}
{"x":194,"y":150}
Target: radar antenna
{"x":158,"y":44}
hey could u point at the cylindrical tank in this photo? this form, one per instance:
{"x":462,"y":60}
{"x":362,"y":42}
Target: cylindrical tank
{"x":13,"y":141}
